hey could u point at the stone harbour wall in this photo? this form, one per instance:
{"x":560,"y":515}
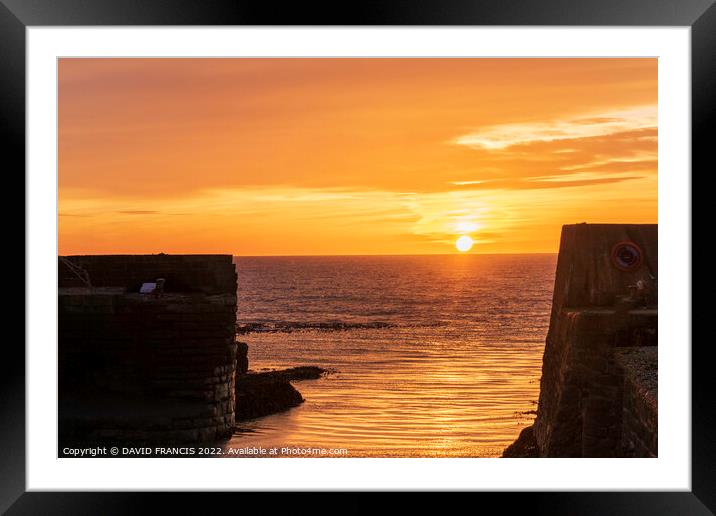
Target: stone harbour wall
{"x":148,"y":368}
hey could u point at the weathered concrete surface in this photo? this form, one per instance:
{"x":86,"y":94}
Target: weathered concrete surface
{"x":586,"y":276}
{"x":580,"y":405}
{"x":595,"y":311}
{"x":639,"y":436}
{"x":145,"y":368}
{"x":184,"y":273}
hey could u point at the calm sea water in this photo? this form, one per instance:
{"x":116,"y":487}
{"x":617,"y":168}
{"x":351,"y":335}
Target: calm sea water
{"x":432,"y":356}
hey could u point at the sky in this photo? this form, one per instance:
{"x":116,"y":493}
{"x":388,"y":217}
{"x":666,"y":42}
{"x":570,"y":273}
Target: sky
{"x":350,"y":156}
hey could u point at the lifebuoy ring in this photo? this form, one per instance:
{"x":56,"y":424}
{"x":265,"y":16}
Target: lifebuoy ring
{"x":627,"y":256}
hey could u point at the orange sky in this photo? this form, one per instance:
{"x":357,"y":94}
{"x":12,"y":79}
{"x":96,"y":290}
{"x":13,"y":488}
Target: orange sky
{"x":350,"y":156}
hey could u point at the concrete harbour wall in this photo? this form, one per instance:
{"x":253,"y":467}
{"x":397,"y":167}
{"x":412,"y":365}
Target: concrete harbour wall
{"x":598,"y":395}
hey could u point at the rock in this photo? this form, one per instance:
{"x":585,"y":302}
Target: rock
{"x":297,"y":373}
{"x":242,"y":357}
{"x":524,"y":447}
{"x":261,"y":394}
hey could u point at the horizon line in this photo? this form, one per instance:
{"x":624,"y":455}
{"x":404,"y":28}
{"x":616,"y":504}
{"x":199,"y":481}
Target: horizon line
{"x":310,"y":255}
{"x":386,"y":255}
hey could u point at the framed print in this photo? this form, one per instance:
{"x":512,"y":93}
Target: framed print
{"x":413,"y":249}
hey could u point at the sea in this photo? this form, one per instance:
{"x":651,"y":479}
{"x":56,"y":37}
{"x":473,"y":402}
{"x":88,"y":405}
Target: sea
{"x":428,"y":356}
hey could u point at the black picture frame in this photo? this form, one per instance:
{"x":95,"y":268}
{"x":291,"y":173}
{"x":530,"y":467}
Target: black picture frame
{"x":17,"y":15}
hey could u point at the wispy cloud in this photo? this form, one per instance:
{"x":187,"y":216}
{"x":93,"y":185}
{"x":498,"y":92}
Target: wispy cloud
{"x":549,"y":182}
{"x":640,"y":162}
{"x":501,"y":136}
{"x":466,"y":183}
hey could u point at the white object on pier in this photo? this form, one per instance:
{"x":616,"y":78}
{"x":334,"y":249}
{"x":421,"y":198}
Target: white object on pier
{"x":147,"y":288}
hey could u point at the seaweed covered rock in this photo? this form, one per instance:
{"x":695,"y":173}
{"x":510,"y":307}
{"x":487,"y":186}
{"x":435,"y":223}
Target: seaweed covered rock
{"x":261,"y":394}
{"x":296,"y":373}
{"x":524,"y":447}
{"x":265,"y":393}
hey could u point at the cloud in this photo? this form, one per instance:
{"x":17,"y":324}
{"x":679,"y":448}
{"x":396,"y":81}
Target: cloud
{"x":613,"y":165}
{"x":502,"y":136}
{"x":467,"y":183}
{"x":585,"y":159}
{"x":546,"y":182}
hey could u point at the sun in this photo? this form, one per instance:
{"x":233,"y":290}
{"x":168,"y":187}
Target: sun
{"x":464,"y":243}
